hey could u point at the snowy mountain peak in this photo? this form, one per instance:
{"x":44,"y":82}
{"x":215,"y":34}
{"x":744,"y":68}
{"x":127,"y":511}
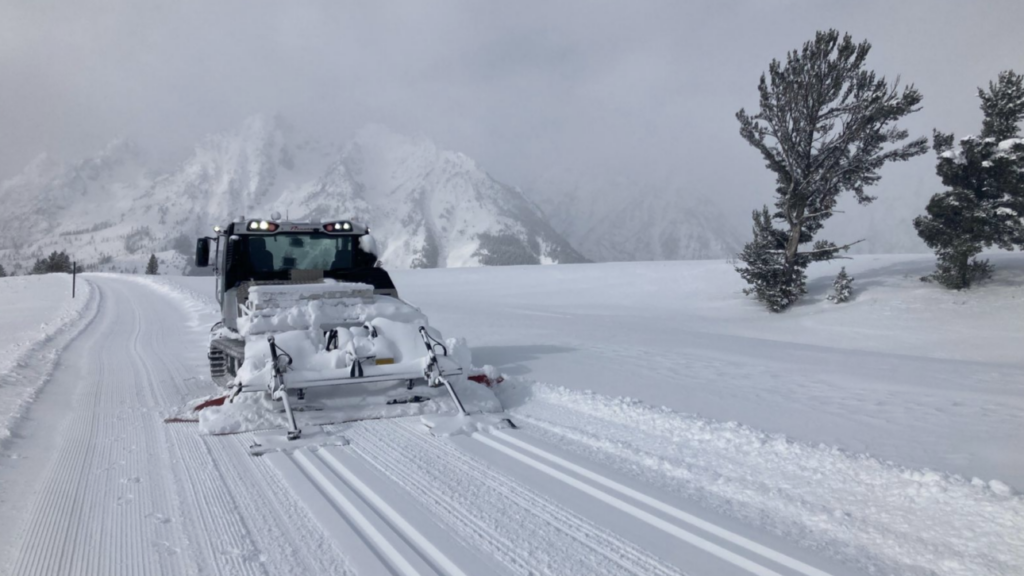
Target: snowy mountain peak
{"x":429,"y":207}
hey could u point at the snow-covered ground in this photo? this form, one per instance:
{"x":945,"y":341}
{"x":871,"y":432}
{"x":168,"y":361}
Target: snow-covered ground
{"x":907,"y":371}
{"x":667,"y":425}
{"x":35,"y":314}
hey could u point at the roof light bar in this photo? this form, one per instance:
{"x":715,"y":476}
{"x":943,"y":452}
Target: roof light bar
{"x":262,"y":226}
{"x":338,"y":227}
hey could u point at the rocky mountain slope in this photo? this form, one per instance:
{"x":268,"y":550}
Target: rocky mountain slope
{"x":427,"y":207}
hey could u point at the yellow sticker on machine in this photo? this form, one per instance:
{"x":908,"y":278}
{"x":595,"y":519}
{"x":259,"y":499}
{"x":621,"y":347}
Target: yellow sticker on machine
{"x":383,"y":361}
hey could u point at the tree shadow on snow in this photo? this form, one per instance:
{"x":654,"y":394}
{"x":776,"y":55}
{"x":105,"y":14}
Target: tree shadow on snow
{"x":509,"y":359}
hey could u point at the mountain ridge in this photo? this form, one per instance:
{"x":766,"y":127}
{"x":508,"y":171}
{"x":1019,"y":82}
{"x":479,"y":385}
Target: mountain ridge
{"x":428,"y":207}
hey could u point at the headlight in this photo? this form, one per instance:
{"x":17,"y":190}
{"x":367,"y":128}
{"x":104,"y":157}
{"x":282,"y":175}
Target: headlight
{"x":264,"y":225}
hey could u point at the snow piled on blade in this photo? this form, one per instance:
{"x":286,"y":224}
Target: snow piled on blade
{"x":272,"y":308}
{"x":254,"y":412}
{"x":247,"y":413}
{"x":876,"y":514}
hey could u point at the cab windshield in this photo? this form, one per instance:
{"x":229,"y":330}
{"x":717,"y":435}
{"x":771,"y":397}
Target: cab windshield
{"x":283,"y":252}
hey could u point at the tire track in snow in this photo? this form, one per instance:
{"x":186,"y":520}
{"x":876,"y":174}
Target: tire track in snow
{"x":478,"y":503}
{"x":379,"y":540}
{"x":645,"y":508}
{"x":865,"y":512}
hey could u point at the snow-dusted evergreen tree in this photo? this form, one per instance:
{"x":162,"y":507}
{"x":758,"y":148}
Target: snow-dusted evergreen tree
{"x":55,"y":262}
{"x":984,"y":203}
{"x":3,"y":273}
{"x":824,"y":128}
{"x":1003,"y":106}
{"x":771,"y":281}
{"x":153,"y":266}
{"x":842,"y":287}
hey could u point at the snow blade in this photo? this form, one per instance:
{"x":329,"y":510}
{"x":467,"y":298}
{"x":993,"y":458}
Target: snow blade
{"x":486,"y":379}
{"x":190,"y":414}
{"x":219,"y":401}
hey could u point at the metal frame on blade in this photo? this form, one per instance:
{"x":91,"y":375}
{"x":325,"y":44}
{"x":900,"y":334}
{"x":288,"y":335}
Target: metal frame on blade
{"x":281,"y":361}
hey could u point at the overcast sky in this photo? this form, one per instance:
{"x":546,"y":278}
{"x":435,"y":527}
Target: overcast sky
{"x":634,"y":89}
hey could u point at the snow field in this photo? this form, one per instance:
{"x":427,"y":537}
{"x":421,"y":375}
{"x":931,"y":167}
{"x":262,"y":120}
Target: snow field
{"x":907,"y":371}
{"x":878,"y":433}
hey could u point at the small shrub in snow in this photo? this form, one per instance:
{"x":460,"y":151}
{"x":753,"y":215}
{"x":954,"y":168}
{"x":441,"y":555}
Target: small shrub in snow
{"x":843,"y":286}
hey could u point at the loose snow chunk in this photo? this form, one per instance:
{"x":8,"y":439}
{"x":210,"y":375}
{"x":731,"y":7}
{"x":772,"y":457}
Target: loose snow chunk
{"x":369,"y":245}
{"x":1000,"y":488}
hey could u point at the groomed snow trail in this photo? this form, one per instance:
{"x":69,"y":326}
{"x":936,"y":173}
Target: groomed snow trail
{"x":875,"y":514}
{"x":587,"y":485}
{"x":406,"y":502}
{"x":114,"y":490}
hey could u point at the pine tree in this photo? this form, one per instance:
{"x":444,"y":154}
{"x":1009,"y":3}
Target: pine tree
{"x":3,"y":273}
{"x":842,"y":287}
{"x":984,"y":203}
{"x":770,"y":280}
{"x":153,"y":266}
{"x":55,"y":262}
{"x":823,"y":128}
{"x":1003,"y":106}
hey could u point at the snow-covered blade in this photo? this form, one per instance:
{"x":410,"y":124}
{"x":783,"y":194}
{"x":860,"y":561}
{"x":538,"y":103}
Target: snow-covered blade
{"x":309,"y":346}
{"x":273,"y":308}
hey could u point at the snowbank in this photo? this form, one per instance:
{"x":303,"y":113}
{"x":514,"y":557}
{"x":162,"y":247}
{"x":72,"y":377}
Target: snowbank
{"x":39,"y":318}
